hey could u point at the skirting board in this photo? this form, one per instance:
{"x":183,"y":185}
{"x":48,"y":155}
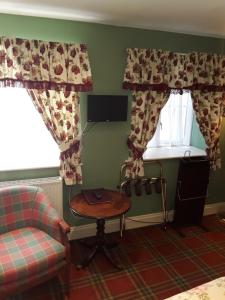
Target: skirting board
{"x":88,"y":230}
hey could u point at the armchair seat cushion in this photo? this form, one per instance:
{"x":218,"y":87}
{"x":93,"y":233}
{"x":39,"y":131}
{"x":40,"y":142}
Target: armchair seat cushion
{"x":26,"y":253}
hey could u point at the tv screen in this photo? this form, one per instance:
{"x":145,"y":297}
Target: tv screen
{"x":106,"y":108}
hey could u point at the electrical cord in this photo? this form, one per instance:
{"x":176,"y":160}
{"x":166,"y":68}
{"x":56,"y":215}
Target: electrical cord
{"x":86,"y":129}
{"x":145,"y":222}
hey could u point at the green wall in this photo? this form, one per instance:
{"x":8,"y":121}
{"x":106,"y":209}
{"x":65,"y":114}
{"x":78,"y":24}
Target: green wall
{"x":104,"y":145}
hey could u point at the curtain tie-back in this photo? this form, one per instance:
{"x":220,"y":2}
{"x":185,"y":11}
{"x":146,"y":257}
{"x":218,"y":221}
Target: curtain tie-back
{"x":72,"y":148}
{"x":136,"y":151}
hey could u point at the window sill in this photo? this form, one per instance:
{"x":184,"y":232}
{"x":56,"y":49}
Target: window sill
{"x":30,"y":168}
{"x":172,"y":152}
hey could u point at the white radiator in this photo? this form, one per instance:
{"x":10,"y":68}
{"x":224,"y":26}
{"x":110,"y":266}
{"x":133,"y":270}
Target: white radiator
{"x":51,"y":185}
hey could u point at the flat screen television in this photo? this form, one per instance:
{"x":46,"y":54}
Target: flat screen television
{"x":107,"y":108}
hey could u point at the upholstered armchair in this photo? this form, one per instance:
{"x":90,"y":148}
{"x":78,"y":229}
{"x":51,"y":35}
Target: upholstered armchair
{"x":33,"y":240}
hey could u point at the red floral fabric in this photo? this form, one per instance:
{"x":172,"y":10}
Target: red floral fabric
{"x":38,"y":64}
{"x":209,"y":109}
{"x":162,"y":70}
{"x":61,"y":114}
{"x":145,"y":111}
{"x":151,"y":70}
{"x":53,"y":72}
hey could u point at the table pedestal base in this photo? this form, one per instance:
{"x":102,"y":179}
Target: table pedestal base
{"x":100,"y":245}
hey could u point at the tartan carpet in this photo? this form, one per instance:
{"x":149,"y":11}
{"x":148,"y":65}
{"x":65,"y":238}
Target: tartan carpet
{"x":157,"y":264}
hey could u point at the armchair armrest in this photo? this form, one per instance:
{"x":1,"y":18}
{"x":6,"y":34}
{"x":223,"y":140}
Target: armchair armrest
{"x":65,"y":229}
{"x":46,"y":218}
{"x":64,"y":226}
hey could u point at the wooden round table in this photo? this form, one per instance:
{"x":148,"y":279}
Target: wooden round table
{"x":111,"y":205}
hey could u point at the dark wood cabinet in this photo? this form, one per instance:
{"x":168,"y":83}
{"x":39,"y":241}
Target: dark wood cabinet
{"x":191,"y":191}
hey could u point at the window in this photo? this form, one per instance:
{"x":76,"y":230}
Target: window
{"x":173,"y":134}
{"x":25,"y":141}
{"x":175,"y":122}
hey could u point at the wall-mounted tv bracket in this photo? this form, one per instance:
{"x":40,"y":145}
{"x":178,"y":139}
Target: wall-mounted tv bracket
{"x":148,"y":185}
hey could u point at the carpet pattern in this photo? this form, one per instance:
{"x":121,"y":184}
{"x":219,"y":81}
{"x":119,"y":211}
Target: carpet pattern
{"x":157,"y":264}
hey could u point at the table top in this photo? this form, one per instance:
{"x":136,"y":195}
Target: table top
{"x":118,"y":205}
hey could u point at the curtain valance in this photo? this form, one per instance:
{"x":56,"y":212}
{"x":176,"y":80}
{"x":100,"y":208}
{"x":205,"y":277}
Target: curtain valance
{"x":36,"y":64}
{"x":163,"y":70}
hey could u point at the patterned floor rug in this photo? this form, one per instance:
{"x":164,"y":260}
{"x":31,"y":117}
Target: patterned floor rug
{"x":156,"y":264}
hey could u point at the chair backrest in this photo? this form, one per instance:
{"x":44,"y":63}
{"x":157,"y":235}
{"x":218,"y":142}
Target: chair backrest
{"x":16,"y":207}
{"x":21,"y":206}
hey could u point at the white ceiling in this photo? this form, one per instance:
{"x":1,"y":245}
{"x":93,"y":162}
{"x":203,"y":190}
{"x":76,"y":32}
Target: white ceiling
{"x":201,"y":17}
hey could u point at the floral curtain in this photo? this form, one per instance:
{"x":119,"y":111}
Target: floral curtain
{"x":146,"y":107}
{"x":60,"y":112}
{"x":53,"y":73}
{"x":163,"y":71}
{"x":38,"y":64}
{"x":209,"y":109}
